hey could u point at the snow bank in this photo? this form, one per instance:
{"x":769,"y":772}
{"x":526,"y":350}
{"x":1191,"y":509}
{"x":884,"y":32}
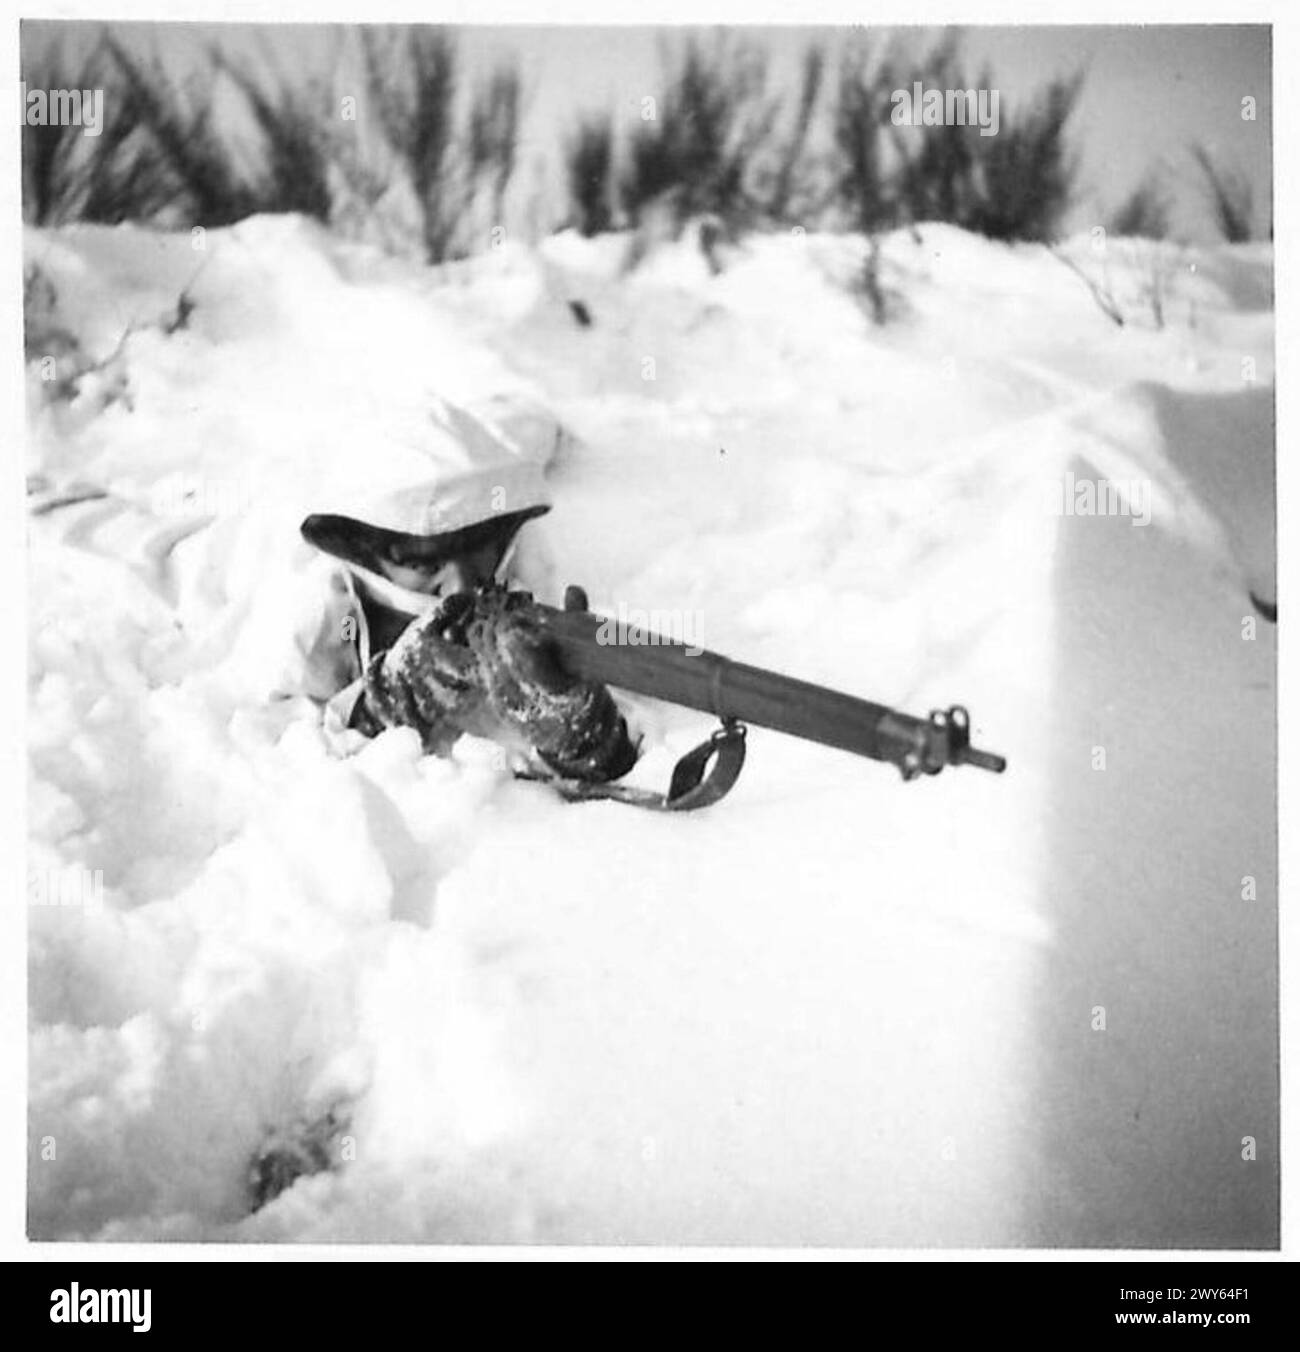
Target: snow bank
{"x":832,"y":1010}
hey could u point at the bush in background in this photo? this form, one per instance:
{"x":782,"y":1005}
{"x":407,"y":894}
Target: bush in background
{"x":54,"y":182}
{"x":68,"y":176}
{"x":198,"y":178}
{"x":786,"y":187}
{"x":452,"y":167}
{"x":718,"y":146}
{"x":162,"y":156}
{"x":866,"y":182}
{"x":411,"y":85}
{"x":1143,"y":214}
{"x":1231,"y":200}
{"x":292,"y":122}
{"x":694,"y":153}
{"x":1014,"y":185}
{"x":589,"y":167}
{"x":712,"y":145}
{"x":1027,"y":171}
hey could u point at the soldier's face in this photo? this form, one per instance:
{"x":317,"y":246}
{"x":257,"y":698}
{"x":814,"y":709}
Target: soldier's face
{"x":467,"y":572}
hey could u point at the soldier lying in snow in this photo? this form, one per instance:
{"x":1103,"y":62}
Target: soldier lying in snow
{"x":427,"y":648}
{"x":414,"y":636}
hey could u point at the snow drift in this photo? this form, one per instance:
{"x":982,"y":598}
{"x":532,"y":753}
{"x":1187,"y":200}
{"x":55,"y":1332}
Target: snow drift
{"x":834,"y":1009}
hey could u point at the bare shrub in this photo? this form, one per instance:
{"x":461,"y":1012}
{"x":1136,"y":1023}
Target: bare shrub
{"x":787,"y":195}
{"x":196,"y":161}
{"x":493,"y":135}
{"x":1027,"y":171}
{"x":1013,"y":185}
{"x":293,"y":126}
{"x":411,"y":82}
{"x":68,"y":176}
{"x":589,"y":168}
{"x":1231,"y":200}
{"x":1143,"y":214}
{"x":412,"y":79}
{"x":53,"y":181}
{"x":713,"y":146}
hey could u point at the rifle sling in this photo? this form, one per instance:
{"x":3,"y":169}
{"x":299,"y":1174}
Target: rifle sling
{"x":722,"y":755}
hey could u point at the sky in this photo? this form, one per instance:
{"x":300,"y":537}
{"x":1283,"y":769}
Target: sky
{"x":1149,"y":92}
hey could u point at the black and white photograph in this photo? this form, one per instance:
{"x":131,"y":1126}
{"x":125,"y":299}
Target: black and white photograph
{"x":648,"y":635}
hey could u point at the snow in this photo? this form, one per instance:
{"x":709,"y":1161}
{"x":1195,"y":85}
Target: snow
{"x":834,"y":1009}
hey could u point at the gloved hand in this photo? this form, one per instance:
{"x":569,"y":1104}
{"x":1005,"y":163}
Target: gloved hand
{"x":572,"y":724}
{"x":428,"y":680}
{"x":482,"y":664}
{"x":520,"y":666}
{"x":453,"y":616}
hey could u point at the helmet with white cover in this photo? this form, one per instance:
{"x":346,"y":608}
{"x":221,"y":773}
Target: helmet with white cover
{"x":464,"y":502}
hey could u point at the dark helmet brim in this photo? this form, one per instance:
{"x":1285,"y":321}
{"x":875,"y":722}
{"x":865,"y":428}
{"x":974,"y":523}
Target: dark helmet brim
{"x":376,"y":547}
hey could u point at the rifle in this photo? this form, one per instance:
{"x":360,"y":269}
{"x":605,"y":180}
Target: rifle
{"x":647,"y":663}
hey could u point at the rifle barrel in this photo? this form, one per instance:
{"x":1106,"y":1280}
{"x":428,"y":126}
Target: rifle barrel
{"x":648,"y":663}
